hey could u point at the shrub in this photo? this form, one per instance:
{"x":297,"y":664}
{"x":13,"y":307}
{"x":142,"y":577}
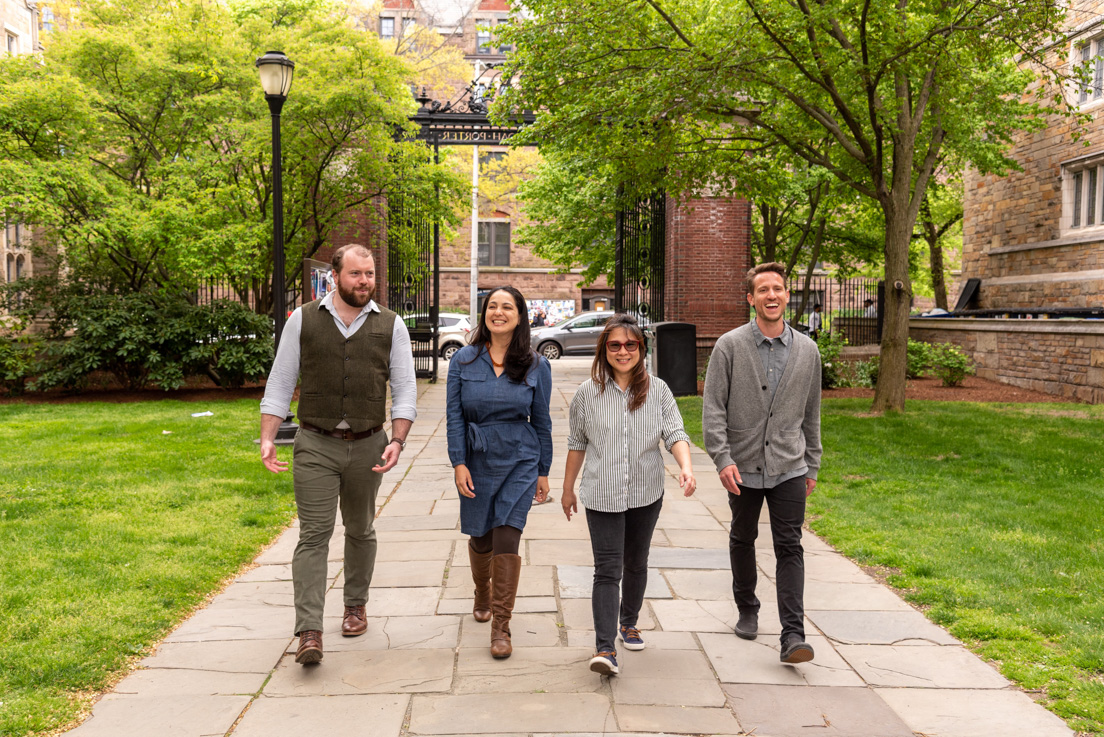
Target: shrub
{"x":233,"y":344}
{"x":19,"y":357}
{"x":950,"y":363}
{"x":919,"y":359}
{"x":831,"y":346}
{"x":153,"y":339}
{"x":867,"y":371}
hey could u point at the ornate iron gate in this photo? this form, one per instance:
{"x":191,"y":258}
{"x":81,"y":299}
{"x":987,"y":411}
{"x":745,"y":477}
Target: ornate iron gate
{"x":412,"y":283}
{"x":641,"y":258}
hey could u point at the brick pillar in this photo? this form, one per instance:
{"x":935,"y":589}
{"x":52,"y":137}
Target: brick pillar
{"x":708,"y":255}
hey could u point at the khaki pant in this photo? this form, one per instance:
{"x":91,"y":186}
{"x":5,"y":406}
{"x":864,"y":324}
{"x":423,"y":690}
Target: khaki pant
{"x":328,"y":471}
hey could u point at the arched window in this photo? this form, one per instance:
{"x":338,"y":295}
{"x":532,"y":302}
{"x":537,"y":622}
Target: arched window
{"x":20,"y":264}
{"x":11,"y":268}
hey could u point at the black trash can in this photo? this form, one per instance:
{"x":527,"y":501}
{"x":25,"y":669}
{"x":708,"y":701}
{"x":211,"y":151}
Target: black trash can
{"x":675,"y":356}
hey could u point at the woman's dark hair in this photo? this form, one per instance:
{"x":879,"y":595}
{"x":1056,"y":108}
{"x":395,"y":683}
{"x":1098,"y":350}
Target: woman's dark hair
{"x":601,"y":371}
{"x":519,"y":354}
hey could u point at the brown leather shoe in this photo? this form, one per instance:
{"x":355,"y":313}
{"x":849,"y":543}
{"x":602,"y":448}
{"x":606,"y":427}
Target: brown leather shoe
{"x":481,"y":575}
{"x":505,"y":572}
{"x":355,"y":622}
{"x":310,"y":647}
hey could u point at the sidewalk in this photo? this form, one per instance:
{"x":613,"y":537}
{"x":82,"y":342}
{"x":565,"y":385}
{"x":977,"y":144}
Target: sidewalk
{"x":423,"y":667}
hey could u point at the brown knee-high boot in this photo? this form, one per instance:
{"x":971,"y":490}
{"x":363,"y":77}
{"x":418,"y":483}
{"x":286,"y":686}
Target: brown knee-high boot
{"x":506,"y":570}
{"x":481,"y":574}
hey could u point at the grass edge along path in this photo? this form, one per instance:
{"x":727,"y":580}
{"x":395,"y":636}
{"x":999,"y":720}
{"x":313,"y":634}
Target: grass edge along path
{"x":116,"y":522}
{"x":989,"y":519}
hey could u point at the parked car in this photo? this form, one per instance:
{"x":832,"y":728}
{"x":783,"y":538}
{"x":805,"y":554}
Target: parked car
{"x":452,"y":333}
{"x":577,"y":334}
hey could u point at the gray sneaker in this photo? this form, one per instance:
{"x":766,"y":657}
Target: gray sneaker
{"x":747,"y":627}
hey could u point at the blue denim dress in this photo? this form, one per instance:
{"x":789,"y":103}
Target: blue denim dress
{"x":502,"y":431}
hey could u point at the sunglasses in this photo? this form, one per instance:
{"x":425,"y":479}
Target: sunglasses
{"x":614,"y":346}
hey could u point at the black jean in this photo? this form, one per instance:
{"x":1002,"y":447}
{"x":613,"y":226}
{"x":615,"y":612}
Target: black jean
{"x":620,"y":542}
{"x":786,"y":506}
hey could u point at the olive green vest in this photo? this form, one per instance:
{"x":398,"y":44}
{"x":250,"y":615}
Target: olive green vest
{"x":344,"y":378}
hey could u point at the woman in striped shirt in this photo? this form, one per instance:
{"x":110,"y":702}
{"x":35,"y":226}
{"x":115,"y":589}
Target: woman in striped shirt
{"x":619,"y":418}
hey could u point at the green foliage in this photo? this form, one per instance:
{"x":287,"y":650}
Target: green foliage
{"x":831,"y":346}
{"x":144,"y":339}
{"x":231,"y":343}
{"x":19,"y":356}
{"x":141,"y":148}
{"x":111,"y":533}
{"x":992,"y":539}
{"x":919,"y":358}
{"x":950,"y":363}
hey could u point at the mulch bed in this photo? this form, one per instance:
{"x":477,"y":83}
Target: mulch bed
{"x":973,"y":389}
{"x":196,"y":390}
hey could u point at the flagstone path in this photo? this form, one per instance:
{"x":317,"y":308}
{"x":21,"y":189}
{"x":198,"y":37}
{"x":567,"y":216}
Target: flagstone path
{"x":423,"y":667}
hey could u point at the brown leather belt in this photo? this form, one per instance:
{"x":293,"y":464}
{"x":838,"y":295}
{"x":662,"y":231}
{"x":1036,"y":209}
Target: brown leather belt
{"x":345,"y":434}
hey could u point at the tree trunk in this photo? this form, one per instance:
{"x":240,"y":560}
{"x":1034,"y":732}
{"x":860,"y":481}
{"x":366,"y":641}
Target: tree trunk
{"x":813,"y":258}
{"x":889,"y":395}
{"x":939,"y":285}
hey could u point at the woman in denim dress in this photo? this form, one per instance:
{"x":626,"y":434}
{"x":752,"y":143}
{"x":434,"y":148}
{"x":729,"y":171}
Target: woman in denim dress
{"x":500,"y":446}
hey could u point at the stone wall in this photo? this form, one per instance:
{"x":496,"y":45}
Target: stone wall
{"x":1060,"y":357}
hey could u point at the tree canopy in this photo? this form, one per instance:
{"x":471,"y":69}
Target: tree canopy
{"x":696,"y":94}
{"x":142,"y":146}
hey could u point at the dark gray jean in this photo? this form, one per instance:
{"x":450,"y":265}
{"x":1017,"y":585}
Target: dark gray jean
{"x":620,"y":541}
{"x":786,"y":506}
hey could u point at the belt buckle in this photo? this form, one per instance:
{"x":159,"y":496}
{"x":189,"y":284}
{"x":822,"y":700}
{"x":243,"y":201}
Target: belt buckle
{"x":347,"y":434}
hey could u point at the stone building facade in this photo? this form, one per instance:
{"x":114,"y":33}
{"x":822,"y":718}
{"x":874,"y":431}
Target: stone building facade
{"x":1035,"y":239}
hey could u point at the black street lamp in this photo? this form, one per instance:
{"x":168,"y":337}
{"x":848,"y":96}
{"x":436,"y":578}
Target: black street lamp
{"x":276,"y":71}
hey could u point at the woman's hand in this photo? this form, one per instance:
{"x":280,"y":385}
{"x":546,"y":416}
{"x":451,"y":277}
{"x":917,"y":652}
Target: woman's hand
{"x":687,"y":482}
{"x":464,"y":481}
{"x":542,"y":490}
{"x":570,"y":502}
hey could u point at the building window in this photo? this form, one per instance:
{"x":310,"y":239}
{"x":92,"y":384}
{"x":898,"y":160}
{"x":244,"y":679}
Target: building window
{"x":504,"y":48}
{"x":407,"y":25}
{"x":12,"y":43}
{"x":1090,"y":55}
{"x":483,"y":37}
{"x":494,"y":244}
{"x":1083,"y":193}
{"x":47,"y":20}
{"x":11,"y":268}
{"x":14,"y":234}
{"x":487,"y":158}
{"x":387,"y":27}
{"x":20,"y":264}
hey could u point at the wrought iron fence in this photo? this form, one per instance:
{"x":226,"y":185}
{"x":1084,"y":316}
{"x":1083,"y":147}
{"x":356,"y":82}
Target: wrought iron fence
{"x":850,"y":307}
{"x":411,"y":286}
{"x":211,"y":290}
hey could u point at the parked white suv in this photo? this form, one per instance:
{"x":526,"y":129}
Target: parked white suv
{"x":453,"y":329}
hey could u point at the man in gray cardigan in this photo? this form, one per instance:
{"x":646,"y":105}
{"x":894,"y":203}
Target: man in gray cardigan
{"x":761,"y":417}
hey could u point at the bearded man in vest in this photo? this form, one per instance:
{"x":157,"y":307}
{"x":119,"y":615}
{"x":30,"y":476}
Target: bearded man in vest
{"x":346,"y":349}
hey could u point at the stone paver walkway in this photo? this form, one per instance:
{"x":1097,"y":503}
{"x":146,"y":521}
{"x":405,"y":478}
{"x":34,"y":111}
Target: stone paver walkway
{"x":423,"y":668}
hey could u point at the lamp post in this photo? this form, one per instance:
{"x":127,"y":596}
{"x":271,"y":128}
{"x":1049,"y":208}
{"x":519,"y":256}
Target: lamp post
{"x":276,"y":71}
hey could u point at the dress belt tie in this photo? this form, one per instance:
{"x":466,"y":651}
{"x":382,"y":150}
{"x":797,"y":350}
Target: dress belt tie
{"x":477,"y":440}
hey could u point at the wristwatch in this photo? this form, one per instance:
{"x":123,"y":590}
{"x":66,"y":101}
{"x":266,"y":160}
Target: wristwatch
{"x":401,"y":442}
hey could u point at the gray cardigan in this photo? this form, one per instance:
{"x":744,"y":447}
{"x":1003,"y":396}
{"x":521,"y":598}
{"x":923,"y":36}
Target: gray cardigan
{"x":740,"y":422}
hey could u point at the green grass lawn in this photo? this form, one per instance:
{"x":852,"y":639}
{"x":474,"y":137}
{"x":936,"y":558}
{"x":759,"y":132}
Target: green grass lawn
{"x":111,"y":531}
{"x":990,"y":517}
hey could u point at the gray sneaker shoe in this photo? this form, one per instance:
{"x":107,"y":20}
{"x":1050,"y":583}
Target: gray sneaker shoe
{"x":747,"y":627}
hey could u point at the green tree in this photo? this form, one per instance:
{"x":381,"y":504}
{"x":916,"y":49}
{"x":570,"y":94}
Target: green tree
{"x":142,"y":145}
{"x":876,"y":93}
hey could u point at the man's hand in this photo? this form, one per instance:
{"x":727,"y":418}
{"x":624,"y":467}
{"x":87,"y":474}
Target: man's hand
{"x":810,"y":484}
{"x":730,"y":478}
{"x":570,"y":502}
{"x":268,"y":456}
{"x":464,"y":481}
{"x":389,"y":457}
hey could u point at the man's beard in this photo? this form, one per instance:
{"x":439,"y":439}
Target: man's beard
{"x":353,"y":299}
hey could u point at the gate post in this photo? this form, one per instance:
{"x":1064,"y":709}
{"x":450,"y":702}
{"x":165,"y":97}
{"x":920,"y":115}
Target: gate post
{"x":708,"y":256}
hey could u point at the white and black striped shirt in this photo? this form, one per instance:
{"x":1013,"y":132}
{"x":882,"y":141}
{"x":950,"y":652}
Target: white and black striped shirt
{"x":624,"y":467}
